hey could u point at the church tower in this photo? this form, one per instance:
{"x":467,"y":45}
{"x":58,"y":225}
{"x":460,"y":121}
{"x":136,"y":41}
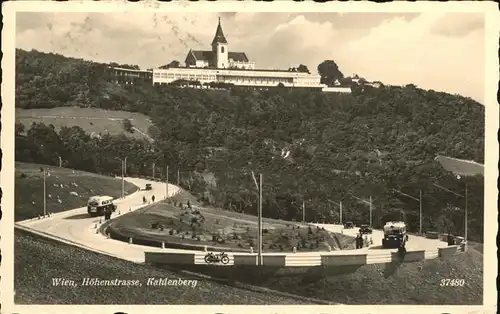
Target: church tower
{"x":219,"y":48}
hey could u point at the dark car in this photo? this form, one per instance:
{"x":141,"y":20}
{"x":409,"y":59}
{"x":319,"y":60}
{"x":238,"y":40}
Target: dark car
{"x":349,"y":225}
{"x":365,"y":229}
{"x":148,"y":187}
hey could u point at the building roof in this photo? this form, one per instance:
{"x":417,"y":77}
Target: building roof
{"x":203,"y":54}
{"x":238,"y":56}
{"x":219,"y":36}
{"x":208,"y":55}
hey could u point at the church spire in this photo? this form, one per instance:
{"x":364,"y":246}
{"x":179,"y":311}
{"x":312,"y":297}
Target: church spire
{"x":219,"y":36}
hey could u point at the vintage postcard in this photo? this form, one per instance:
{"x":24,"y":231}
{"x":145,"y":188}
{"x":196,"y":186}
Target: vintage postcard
{"x":216,"y":157}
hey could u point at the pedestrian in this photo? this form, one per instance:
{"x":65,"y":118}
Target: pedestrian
{"x":402,"y":250}
{"x":144,"y":199}
{"x":359,"y":240}
{"x":451,"y":240}
{"x":153,"y":198}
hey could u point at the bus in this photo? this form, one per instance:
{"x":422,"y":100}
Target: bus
{"x":394,"y":234}
{"x":97,"y":205}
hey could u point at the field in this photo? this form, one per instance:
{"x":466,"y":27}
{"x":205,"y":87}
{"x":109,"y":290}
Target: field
{"x":35,"y":269}
{"x":66,"y":189}
{"x":168,"y":222}
{"x":92,"y":120}
{"x":461,"y":166}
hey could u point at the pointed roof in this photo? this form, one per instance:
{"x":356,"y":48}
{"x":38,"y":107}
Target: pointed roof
{"x":219,"y":36}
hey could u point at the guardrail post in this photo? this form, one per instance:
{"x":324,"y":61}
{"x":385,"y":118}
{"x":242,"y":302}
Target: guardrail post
{"x":294,"y":249}
{"x":251,"y":250}
{"x":130,"y":240}
{"x":100,"y":221}
{"x":163,"y":245}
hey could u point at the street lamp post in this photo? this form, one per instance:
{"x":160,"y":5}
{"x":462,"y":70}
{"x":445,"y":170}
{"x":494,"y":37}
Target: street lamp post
{"x":124,"y":164}
{"x":466,"y":205}
{"x":259,"y":188}
{"x":303,"y":211}
{"x":366,"y":202}
{"x":44,"y":192}
{"x":340,"y":205}
{"x":166,"y":185}
{"x":419,"y":200}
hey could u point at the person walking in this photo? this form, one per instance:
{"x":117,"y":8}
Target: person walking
{"x":144,"y":199}
{"x":153,"y":198}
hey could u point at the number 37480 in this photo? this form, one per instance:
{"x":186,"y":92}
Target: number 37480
{"x":452,"y":282}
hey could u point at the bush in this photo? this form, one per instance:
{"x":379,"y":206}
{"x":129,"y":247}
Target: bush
{"x":171,"y":232}
{"x":128,"y":126}
{"x":265,"y":231}
{"x":23,"y":175}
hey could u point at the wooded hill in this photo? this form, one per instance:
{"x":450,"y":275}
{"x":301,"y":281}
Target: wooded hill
{"x":309,"y":145}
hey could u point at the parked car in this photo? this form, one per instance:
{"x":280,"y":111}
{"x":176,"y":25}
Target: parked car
{"x":349,"y":225}
{"x":148,"y":187}
{"x":365,"y":229}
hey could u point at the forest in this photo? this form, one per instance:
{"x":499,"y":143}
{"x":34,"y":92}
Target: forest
{"x":311,"y":147}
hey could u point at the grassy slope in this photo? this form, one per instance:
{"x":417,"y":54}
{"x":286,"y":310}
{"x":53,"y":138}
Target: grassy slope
{"x":278,"y":236}
{"x":408,"y":283}
{"x":34,"y":270}
{"x":89,"y":119}
{"x":29,"y":190}
{"x":461,"y":166}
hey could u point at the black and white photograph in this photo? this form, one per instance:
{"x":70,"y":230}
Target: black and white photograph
{"x":231,"y":155}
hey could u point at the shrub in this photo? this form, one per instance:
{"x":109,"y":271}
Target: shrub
{"x":23,"y":175}
{"x":171,"y":232}
{"x":265,"y":230}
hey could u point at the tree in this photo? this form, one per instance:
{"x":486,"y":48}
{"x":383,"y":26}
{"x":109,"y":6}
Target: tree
{"x":303,"y":68}
{"x":329,"y":72}
{"x":128,"y":126}
{"x":19,"y":128}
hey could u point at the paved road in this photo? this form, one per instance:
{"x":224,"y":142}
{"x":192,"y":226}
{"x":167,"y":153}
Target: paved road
{"x":77,"y":227}
{"x":414,"y":242}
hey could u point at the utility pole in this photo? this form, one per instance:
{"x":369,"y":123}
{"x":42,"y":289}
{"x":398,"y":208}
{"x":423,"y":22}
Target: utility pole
{"x":125,"y":167}
{"x":420,"y":212}
{"x":178,"y":178}
{"x":466,"y":209}
{"x":166,"y":186}
{"x":303,"y":211}
{"x":260,"y":221}
{"x":419,"y":200}
{"x":153,"y":169}
{"x":371,"y":211}
{"x":44,"y":193}
{"x":340,"y":212}
{"x":60,"y":161}
{"x":123,"y":178}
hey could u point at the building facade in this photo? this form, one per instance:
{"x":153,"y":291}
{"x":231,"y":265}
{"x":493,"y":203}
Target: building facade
{"x":128,"y":76}
{"x":219,"y":65}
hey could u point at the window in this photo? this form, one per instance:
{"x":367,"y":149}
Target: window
{"x":222,"y":49}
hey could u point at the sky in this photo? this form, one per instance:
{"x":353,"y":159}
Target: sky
{"x":433,"y":50}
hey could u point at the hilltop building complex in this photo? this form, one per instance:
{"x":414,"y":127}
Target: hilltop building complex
{"x":219,"y":65}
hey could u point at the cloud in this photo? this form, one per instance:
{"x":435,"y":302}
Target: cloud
{"x":432,"y":50}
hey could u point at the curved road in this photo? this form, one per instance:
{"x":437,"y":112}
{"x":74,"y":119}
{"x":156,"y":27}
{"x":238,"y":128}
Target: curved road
{"x":77,"y":227}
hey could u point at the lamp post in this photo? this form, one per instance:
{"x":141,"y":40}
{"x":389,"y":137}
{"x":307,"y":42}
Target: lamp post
{"x":466,"y":201}
{"x":259,"y":188}
{"x":419,"y":200}
{"x":366,"y":202}
{"x":124,"y":164}
{"x":44,"y":191}
{"x":166,"y":185}
{"x":339,"y":204}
